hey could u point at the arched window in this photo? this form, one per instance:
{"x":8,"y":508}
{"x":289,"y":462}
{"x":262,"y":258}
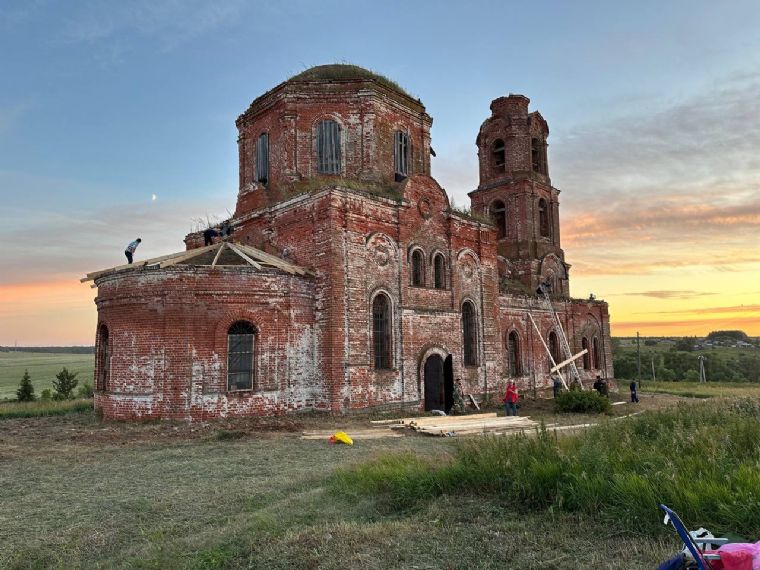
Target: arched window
{"x":499,"y":217}
{"x":498,"y":155}
{"x":513,"y":354}
{"x":543,"y":218}
{"x":439,"y":271}
{"x":381,"y":331}
{"x":328,"y":147}
{"x":418,"y":269}
{"x":538,"y":156}
{"x":240,"y":340}
{"x":469,"y":334}
{"x":586,"y":357}
{"x":104,"y":359}
{"x":262,"y":159}
{"x":554,"y":348}
{"x":595,"y":352}
{"x":401,"y":155}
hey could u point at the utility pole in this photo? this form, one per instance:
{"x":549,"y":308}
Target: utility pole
{"x":638,"y":358}
{"x":702,"y":377}
{"x":654,"y":375}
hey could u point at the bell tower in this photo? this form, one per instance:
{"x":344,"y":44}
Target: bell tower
{"x":516,"y":193}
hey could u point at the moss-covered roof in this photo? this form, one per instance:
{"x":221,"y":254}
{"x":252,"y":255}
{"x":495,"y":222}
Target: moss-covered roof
{"x":345,"y":72}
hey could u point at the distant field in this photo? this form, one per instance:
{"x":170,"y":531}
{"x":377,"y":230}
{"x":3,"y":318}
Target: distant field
{"x":703,"y":390}
{"x":42,"y":368}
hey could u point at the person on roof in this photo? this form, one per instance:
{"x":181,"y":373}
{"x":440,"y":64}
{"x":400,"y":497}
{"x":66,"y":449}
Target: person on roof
{"x":131,"y":249}
{"x":209,"y":235}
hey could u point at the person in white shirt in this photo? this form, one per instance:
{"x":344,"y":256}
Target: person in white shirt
{"x":131,"y":249}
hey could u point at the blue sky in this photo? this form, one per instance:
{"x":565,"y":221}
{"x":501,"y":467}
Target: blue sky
{"x":104,"y":103}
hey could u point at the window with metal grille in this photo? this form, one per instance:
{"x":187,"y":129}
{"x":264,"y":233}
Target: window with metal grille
{"x":104,"y":359}
{"x":469,"y":334}
{"x":498,"y":155}
{"x":418,"y":269}
{"x":401,"y":155}
{"x":328,"y":147}
{"x":262,"y":159}
{"x":513,"y":349}
{"x":439,"y":271}
{"x":586,"y":357}
{"x":499,"y":216}
{"x":595,"y":352}
{"x":240,"y":340}
{"x":381,"y":331}
{"x":543,"y":218}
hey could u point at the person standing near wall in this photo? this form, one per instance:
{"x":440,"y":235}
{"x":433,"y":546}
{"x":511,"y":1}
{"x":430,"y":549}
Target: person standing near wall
{"x":634,"y":395}
{"x":510,"y":399}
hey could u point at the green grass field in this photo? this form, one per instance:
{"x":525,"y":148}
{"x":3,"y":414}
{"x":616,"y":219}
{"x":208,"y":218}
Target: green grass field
{"x":79,"y":493}
{"x":702,"y":390}
{"x":42,"y":368}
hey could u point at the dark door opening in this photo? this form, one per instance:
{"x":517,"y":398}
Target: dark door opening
{"x":448,"y":382}
{"x":434,"y":384}
{"x":439,"y":383}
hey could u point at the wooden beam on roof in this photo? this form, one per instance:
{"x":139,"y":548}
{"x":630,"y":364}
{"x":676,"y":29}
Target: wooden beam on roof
{"x":244,"y":256}
{"x":274,"y":260}
{"x":152,"y":261}
{"x":218,"y":253}
{"x":179,"y":258}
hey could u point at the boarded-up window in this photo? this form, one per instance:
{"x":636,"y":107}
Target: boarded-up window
{"x":262,"y":159}
{"x":439,"y":271}
{"x":401,"y":155}
{"x":240,"y":339}
{"x":543,"y":218}
{"x":595,"y":353}
{"x":513,"y":350}
{"x":499,"y":218}
{"x":381,"y":331}
{"x":586,"y":357}
{"x":469,"y":334}
{"x":498,"y":155}
{"x":418,"y":268}
{"x":104,"y":359}
{"x":328,"y":147}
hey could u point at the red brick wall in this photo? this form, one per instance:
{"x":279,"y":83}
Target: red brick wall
{"x":168,"y":343}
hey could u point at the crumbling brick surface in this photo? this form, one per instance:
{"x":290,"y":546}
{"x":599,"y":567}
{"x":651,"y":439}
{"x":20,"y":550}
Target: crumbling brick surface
{"x":355,"y":232}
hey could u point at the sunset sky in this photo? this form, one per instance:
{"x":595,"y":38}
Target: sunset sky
{"x":654,"y":111}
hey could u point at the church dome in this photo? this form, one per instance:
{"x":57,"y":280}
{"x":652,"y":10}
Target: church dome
{"x":345,"y":72}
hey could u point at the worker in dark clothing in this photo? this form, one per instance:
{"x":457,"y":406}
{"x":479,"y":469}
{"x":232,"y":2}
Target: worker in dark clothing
{"x":457,"y":408}
{"x":131,"y":249}
{"x":598,"y":385}
{"x":556,"y":384}
{"x":226,"y":230}
{"x":209,"y":235}
{"x":634,"y":395}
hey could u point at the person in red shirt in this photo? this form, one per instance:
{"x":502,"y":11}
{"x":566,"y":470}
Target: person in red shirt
{"x":510,"y":399}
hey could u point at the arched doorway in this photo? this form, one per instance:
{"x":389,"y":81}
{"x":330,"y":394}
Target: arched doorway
{"x":439,"y":383}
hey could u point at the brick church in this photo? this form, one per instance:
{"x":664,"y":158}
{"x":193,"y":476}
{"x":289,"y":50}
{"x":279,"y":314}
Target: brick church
{"x":348,"y":281}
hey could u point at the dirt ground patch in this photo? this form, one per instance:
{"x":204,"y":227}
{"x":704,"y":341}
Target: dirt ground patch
{"x":38,"y":434}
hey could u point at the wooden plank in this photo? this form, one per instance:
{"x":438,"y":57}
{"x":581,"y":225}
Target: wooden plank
{"x":136,"y":264}
{"x":180,"y":258}
{"x":569,"y":360}
{"x":244,"y":256}
{"x":218,"y":253}
{"x":474,"y":403}
{"x":273,"y":260}
{"x":549,"y":352}
{"x":429,"y":420}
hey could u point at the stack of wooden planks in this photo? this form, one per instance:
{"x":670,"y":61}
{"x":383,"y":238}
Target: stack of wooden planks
{"x":462,"y":425}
